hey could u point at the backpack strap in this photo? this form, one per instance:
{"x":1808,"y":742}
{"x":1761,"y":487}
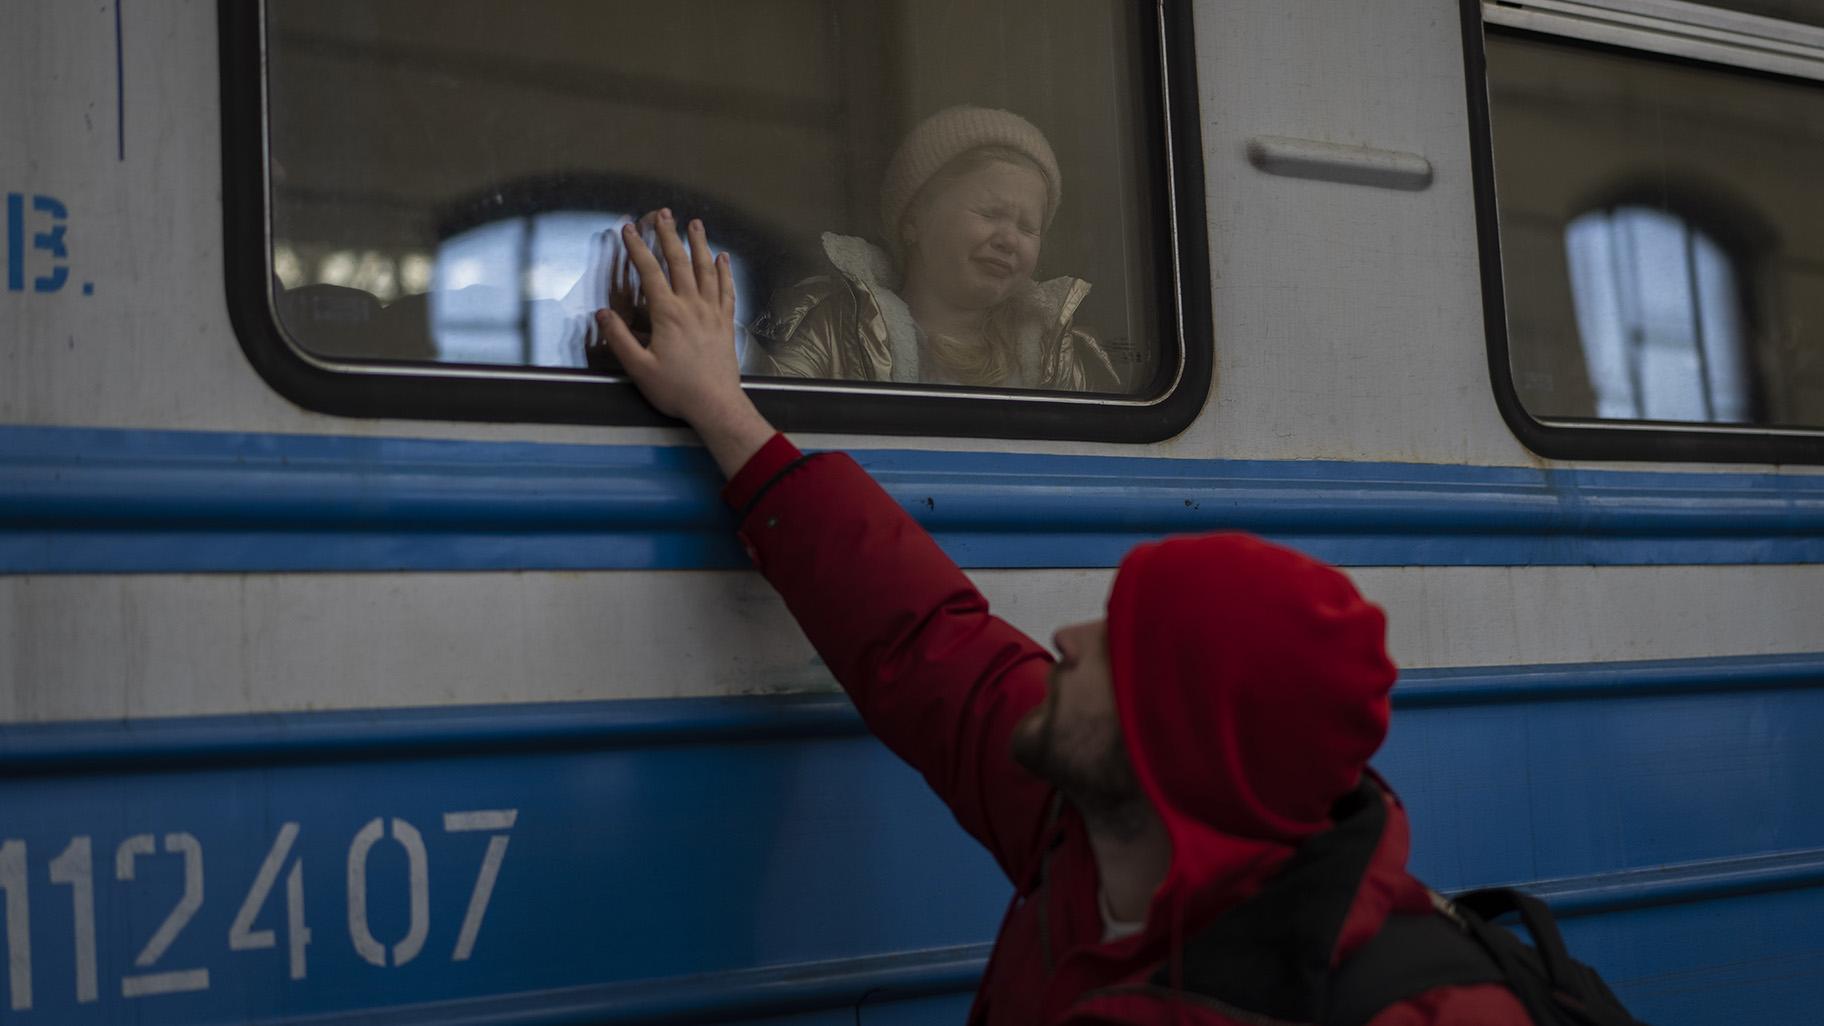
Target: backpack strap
{"x":1409,"y":956}
{"x":1269,"y":956}
{"x":1460,"y":946}
{"x":1552,"y":985}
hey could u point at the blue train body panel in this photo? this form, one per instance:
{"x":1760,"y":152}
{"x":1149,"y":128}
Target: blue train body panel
{"x":700,"y":859}
{"x":113,"y":501}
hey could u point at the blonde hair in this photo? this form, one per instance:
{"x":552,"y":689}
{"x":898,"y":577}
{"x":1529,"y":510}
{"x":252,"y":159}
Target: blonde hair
{"x":991,"y":360}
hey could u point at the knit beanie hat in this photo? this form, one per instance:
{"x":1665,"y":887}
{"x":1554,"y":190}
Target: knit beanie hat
{"x":1252,"y":683}
{"x":949,"y":134}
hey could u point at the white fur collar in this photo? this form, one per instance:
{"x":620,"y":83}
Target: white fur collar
{"x":869,"y":266}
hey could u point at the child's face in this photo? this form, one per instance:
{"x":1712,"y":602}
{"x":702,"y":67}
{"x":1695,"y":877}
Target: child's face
{"x":977,"y":239}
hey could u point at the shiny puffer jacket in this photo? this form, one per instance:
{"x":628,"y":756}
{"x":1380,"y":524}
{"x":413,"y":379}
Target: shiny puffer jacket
{"x":851,"y":325}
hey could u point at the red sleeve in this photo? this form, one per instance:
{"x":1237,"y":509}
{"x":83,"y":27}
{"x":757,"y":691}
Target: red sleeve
{"x":936,"y":677}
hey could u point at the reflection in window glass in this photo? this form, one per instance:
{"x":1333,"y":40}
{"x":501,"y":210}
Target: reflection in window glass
{"x":912,"y":194}
{"x":1806,"y":12}
{"x":1662,"y":236}
{"x":523,"y":290}
{"x":1657,"y":313}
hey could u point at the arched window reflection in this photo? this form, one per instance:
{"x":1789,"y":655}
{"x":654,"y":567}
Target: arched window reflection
{"x":521,"y":290}
{"x":1659,"y":312}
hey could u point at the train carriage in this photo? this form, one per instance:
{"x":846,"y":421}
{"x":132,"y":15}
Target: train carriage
{"x":372,"y":657}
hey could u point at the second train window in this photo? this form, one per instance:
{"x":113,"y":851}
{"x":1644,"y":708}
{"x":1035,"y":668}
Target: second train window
{"x":1662,"y":236}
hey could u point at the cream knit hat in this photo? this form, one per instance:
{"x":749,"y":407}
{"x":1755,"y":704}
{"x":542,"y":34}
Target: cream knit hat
{"x":949,"y":134}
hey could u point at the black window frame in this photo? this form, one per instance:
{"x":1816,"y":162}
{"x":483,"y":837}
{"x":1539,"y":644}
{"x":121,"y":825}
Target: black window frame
{"x":420,"y":391}
{"x":1590,"y":439}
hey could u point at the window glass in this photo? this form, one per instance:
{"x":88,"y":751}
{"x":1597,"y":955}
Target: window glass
{"x":447,"y":178}
{"x":1662,"y":236}
{"x":1806,"y":12}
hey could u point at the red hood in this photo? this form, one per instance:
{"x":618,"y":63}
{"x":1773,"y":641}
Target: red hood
{"x":1252,"y":684}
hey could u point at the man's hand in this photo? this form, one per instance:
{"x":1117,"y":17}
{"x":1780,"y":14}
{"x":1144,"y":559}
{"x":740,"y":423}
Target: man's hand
{"x":689,"y":369}
{"x":625,"y":297}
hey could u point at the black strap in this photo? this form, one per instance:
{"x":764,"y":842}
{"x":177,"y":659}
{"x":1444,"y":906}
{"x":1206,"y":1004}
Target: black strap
{"x":1491,"y":903}
{"x":1270,"y":955}
{"x":1554,"y":987}
{"x":1411,"y":955}
{"x":1414,"y":954}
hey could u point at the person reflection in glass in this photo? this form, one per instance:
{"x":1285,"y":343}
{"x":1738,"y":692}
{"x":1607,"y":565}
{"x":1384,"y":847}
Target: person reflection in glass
{"x":965,"y":204}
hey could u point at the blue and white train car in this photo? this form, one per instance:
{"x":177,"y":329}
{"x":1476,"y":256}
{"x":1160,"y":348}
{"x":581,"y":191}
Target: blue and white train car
{"x":367,"y":657}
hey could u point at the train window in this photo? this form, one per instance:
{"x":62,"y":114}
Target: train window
{"x":961,"y":217}
{"x":1658,"y":291}
{"x":1805,"y":12}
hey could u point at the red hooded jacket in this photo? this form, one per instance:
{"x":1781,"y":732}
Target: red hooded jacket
{"x":1242,"y":776}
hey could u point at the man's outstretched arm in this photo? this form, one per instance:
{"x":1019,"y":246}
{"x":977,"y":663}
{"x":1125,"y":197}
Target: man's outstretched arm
{"x":937,"y":678}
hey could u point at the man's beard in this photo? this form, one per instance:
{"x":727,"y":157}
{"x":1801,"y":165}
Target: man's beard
{"x":1102,"y":786}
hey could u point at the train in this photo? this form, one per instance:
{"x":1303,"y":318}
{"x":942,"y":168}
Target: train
{"x":370,"y":657}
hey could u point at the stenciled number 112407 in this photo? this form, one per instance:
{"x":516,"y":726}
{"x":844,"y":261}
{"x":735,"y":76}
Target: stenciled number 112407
{"x":74,"y":868}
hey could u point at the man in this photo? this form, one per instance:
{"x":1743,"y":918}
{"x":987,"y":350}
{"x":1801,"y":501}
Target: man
{"x":1181,"y":799}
